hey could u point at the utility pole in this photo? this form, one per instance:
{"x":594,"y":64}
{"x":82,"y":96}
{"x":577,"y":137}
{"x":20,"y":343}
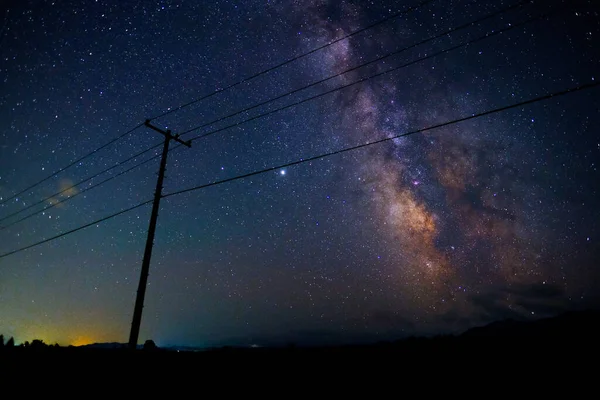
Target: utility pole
{"x":141,"y":292}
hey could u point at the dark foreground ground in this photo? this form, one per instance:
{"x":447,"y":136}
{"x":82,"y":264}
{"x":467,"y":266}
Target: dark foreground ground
{"x":546,"y":352}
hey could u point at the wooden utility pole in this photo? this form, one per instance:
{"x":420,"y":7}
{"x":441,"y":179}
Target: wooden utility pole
{"x":141,"y":292}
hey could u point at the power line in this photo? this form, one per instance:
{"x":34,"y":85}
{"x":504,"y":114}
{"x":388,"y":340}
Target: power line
{"x":364,"y":79}
{"x":49,"y":198}
{"x":70,"y":165}
{"x":395,"y":52}
{"x":76,"y":229}
{"x":313,"y":158}
{"x":406,"y":11}
{"x":321,"y":156}
{"x":54,"y":204}
{"x":78,"y":193}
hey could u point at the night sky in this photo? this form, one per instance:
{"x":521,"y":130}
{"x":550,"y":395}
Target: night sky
{"x":492,"y":218}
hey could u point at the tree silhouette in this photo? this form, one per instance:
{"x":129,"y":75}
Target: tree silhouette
{"x":11,"y":343}
{"x":149,"y":345}
{"x":38,"y":344}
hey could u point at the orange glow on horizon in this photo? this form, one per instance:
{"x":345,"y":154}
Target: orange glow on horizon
{"x":82,"y":341}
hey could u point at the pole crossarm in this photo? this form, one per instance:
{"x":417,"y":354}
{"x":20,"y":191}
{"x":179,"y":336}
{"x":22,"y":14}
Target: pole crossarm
{"x":168,"y":134}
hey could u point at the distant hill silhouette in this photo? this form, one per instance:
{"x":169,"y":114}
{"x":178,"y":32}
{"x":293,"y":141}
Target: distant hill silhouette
{"x":111,"y":345}
{"x":579,"y":324}
{"x":570,"y":340}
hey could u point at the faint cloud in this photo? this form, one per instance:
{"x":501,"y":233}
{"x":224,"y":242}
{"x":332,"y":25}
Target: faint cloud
{"x":65,"y":190}
{"x":520,"y":301}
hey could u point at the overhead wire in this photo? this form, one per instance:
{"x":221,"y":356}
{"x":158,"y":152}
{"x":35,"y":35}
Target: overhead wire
{"x":98,"y":221}
{"x":73,"y":186}
{"x":289,"y":61}
{"x":321,"y":156}
{"x":378,"y":59}
{"x":77,"y":161}
{"x":390,"y":138}
{"x":61,"y":201}
{"x":364,"y":79}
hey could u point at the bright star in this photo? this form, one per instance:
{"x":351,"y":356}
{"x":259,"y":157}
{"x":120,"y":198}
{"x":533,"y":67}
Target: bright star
{"x":282,"y":172}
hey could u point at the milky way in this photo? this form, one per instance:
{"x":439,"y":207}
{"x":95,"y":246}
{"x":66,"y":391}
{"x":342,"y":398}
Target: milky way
{"x":476,"y":193}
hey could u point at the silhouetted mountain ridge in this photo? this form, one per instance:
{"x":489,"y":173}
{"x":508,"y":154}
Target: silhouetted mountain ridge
{"x":109,"y":345}
{"x":581,"y":324}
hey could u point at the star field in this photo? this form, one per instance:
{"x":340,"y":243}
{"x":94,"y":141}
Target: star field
{"x":432,"y":233}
